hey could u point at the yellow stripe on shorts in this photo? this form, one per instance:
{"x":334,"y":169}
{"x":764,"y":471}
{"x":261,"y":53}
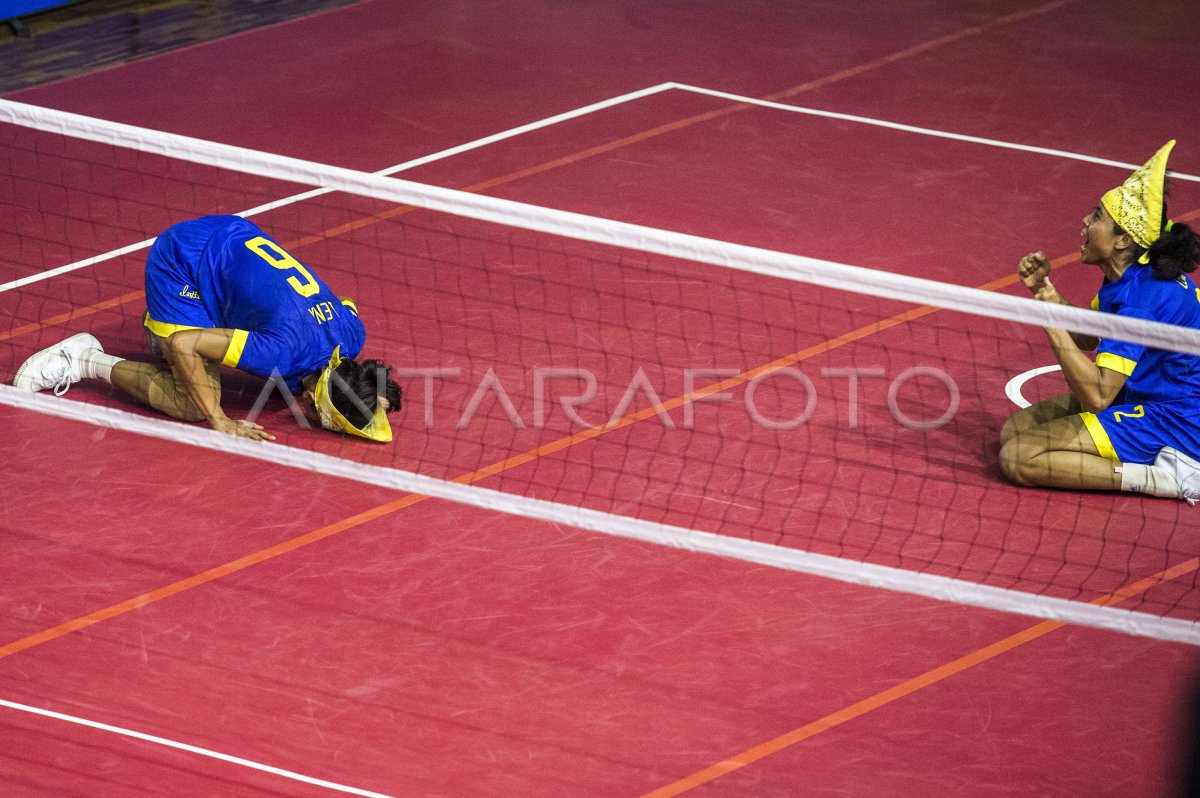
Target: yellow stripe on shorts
{"x":1099,"y":436}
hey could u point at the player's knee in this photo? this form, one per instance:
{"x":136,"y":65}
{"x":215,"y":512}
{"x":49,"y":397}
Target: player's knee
{"x":1009,"y":430}
{"x":181,"y":407}
{"x":185,"y":408}
{"x":1014,"y":461}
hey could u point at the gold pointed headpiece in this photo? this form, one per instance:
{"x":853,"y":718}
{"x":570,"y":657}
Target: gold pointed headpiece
{"x":377,"y":429}
{"x":1137,"y":204}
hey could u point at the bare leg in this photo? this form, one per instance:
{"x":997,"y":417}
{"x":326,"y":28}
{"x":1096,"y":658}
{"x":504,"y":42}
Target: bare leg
{"x":158,"y":388}
{"x":1058,"y":454}
{"x":1047,"y":410}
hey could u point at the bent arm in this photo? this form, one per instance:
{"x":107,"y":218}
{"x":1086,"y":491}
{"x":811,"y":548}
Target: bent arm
{"x":1082,"y":341}
{"x":188,"y":351}
{"x":1094,"y":387}
{"x":1034,"y":271}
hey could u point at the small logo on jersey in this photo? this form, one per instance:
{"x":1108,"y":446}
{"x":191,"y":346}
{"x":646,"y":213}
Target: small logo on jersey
{"x":189,"y":293}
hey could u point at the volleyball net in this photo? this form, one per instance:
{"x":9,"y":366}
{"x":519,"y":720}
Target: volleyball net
{"x":713,"y":396}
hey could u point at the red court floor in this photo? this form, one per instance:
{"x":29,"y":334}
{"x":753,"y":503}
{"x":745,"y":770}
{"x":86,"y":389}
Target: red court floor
{"x":410,"y":646}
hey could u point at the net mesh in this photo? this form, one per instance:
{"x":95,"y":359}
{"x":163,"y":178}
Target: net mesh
{"x":647,"y":386}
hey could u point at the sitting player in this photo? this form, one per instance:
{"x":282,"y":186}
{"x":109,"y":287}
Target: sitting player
{"x":1129,"y":421}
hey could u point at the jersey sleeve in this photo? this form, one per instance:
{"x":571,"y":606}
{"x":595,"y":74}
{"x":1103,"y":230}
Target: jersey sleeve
{"x":1123,"y":356}
{"x":261,"y":353}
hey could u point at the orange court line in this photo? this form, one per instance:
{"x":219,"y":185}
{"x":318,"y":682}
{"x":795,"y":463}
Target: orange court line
{"x":598,"y":150}
{"x":764,"y":749}
{"x":71,"y":315}
{"x":671,"y":404}
{"x":753,"y":754}
{"x":477,"y":475}
{"x":469,"y":478}
{"x":503,"y":465}
{"x":62,"y":318}
{"x":977,"y":657}
{"x":800,"y":89}
{"x":204,"y":577}
{"x":917,"y":49}
{"x":1013,"y":278}
{"x":497,"y":467}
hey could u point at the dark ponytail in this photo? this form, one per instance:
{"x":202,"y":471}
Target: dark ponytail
{"x":356,"y":386}
{"x":1176,"y":252}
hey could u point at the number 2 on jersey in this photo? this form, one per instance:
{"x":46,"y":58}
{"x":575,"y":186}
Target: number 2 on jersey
{"x":274,"y":254}
{"x":1138,"y":412}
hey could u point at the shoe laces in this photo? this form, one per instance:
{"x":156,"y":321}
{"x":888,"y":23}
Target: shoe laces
{"x":60,"y":377}
{"x":1190,"y":495}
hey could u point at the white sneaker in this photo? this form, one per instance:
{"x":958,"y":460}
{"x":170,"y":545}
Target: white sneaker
{"x":57,"y":367}
{"x":1185,"y":470}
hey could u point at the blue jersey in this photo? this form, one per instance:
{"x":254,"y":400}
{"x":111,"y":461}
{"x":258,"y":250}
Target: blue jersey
{"x":223,"y":271}
{"x":1154,"y":375}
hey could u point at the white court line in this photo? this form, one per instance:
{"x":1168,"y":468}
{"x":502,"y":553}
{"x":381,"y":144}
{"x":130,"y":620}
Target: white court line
{"x":79,"y":264}
{"x":391,"y":170}
{"x":813,"y":271}
{"x":634,"y":95}
{"x":191,"y":749}
{"x":1013,"y":388}
{"x":924,"y":131}
{"x":942,"y":588}
{"x":582,"y":227}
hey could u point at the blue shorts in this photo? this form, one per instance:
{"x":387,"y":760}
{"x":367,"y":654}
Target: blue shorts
{"x":1136,"y":433}
{"x":172,"y":294}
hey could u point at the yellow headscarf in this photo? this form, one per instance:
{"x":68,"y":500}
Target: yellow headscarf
{"x":1137,"y":204}
{"x":377,"y":429}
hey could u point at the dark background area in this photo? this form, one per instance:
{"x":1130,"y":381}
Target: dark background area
{"x":89,"y":35}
